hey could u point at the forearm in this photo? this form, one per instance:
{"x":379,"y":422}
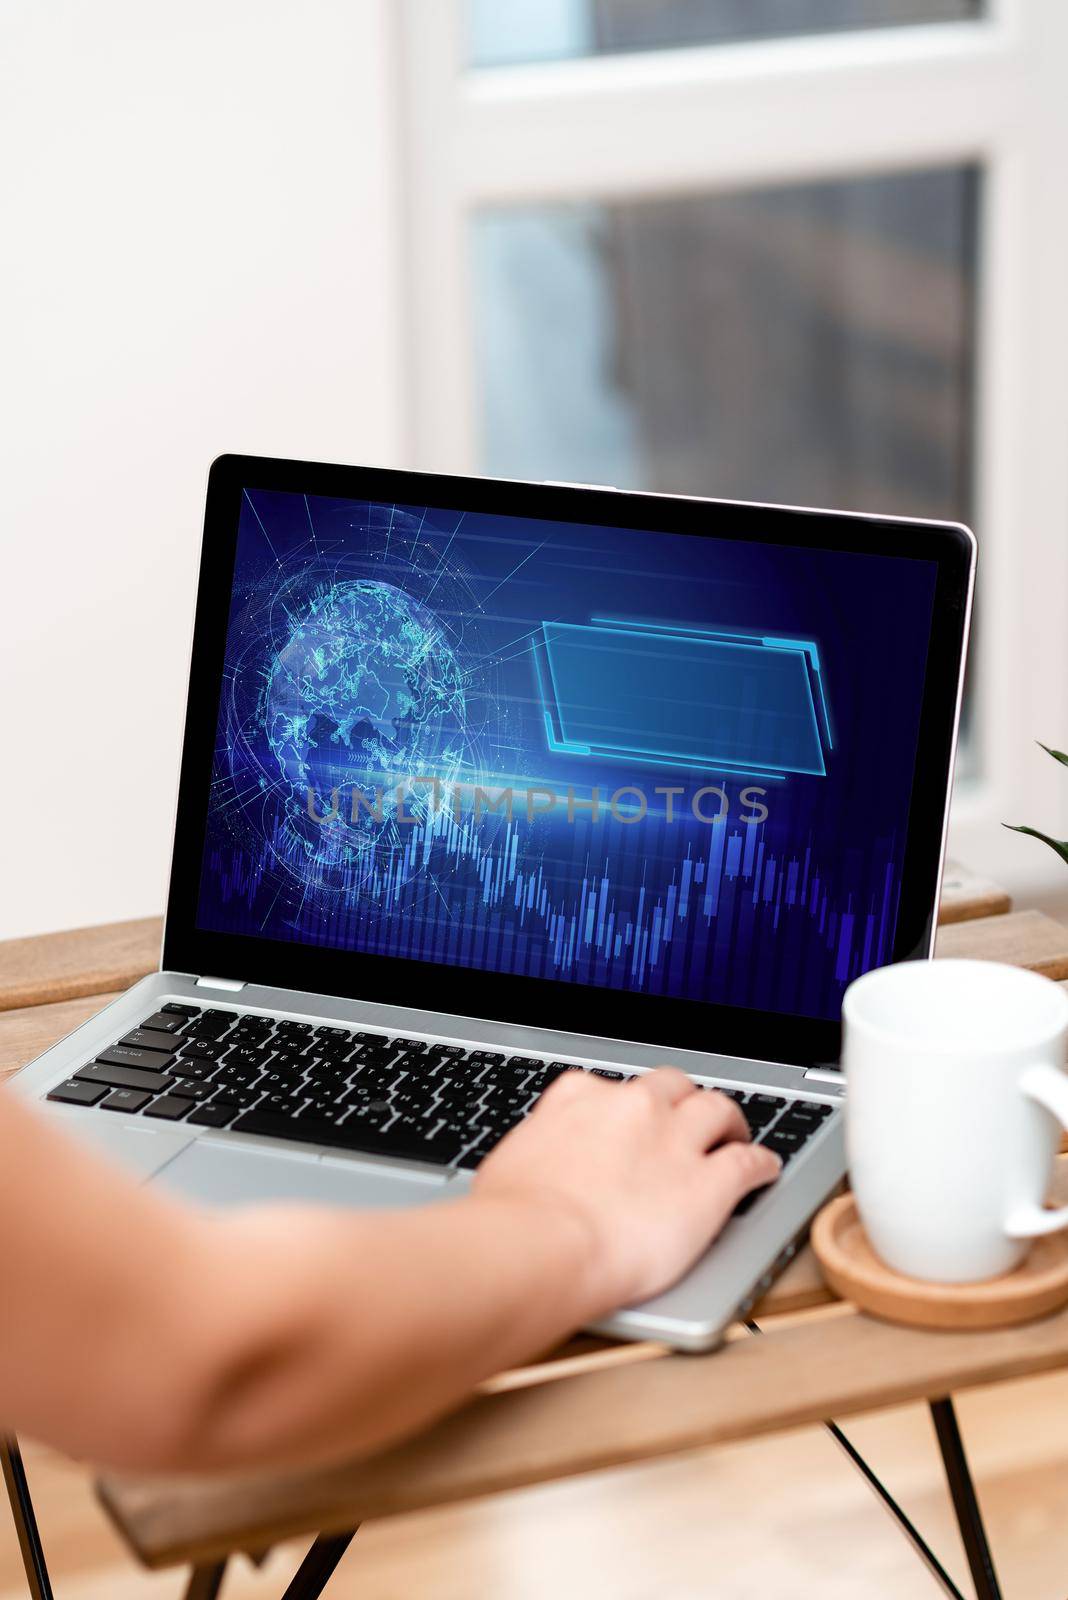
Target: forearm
{"x":140,"y":1332}
{"x":373,"y":1325}
{"x":146,"y":1334}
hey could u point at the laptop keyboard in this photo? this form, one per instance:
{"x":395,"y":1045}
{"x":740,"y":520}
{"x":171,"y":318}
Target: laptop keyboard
{"x":368,"y":1092}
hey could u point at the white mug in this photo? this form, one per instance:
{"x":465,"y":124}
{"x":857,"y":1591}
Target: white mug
{"x":955,"y":1097}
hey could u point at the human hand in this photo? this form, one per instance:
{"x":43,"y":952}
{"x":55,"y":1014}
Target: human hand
{"x":653,"y":1168}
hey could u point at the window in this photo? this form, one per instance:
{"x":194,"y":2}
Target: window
{"x":548,"y":30}
{"x":810,"y":344}
{"x":807,"y":251}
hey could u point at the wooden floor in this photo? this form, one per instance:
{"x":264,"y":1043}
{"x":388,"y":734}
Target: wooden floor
{"x":786,"y":1516}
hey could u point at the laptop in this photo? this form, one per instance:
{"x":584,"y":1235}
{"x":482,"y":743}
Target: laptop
{"x":484,"y":782}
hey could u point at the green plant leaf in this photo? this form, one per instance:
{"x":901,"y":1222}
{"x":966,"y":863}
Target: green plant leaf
{"x":1060,"y":845}
{"x":1058,"y":755}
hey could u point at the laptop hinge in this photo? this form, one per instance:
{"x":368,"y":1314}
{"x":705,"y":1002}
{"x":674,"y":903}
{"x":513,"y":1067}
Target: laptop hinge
{"x":824,"y":1075}
{"x":231,"y":985}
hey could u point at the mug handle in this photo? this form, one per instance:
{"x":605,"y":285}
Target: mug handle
{"x":1048,"y":1087}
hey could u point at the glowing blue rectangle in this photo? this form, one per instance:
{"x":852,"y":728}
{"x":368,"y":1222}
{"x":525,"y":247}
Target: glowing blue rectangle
{"x":683,"y":697}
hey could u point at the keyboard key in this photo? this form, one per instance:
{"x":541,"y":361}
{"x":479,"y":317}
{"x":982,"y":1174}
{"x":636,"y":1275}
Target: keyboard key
{"x":203,"y":1049}
{"x":180,"y":1010}
{"x":478,"y":1152}
{"x":400,"y":1138}
{"x":524,"y":1063}
{"x":251,"y":1032}
{"x":124,"y":1077}
{"x":406,"y":1138}
{"x":565,"y":1066}
{"x":408,"y":1044}
{"x":335,"y":1050}
{"x":237,"y":1075}
{"x":164,"y":1022}
{"x":539,"y":1081}
{"x":170,"y":1107}
{"x":73,"y":1093}
{"x":123,"y":1055}
{"x":365,"y":1054}
{"x":758,"y":1116}
{"x":803,"y":1126}
{"x":414,"y":1094}
{"x":278,"y":1077}
{"x":412,"y":1061}
{"x":487,"y":1058}
{"x":773,"y":1100}
{"x":216,"y":1017}
{"x":273,"y":1125}
{"x":336,"y":1075}
{"x":499,"y":1119}
{"x":198,"y":1071}
{"x":149,"y":1039}
{"x":192,"y":1090}
{"x":603,"y":1072}
{"x":436,"y":1062}
{"x":332,"y":1033}
{"x":125,"y":1100}
{"x":286,"y":1104}
{"x":373,"y":1076}
{"x":293,"y":1030}
{"x":247,"y":1056}
{"x":804,"y":1112}
{"x":322,"y":1108}
{"x":212,"y":1116}
{"x":461,"y":1113}
{"x":506,"y":1098}
{"x":784,"y":1144}
{"x":240,"y":1099}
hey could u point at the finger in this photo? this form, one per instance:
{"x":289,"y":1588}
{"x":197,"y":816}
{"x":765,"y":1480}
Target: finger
{"x":733,"y":1170}
{"x":668,"y":1084}
{"x":713,"y":1118}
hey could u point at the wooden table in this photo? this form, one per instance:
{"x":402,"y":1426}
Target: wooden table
{"x":592,"y":1404}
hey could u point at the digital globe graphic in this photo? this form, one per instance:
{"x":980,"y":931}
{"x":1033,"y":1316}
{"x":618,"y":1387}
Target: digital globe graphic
{"x":366,"y":693}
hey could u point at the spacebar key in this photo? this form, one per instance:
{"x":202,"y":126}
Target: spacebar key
{"x":401,"y":1141}
{"x":276,"y":1125}
{"x":405,"y":1139}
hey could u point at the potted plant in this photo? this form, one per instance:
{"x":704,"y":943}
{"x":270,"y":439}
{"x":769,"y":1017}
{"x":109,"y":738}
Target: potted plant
{"x":1060,"y":845}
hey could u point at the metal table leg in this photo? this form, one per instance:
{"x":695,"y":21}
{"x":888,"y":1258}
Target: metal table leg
{"x":962,"y":1492}
{"x":205,"y":1582}
{"x":889,"y":1504}
{"x":317,"y":1568}
{"x":965,"y":1500}
{"x":25,"y":1520}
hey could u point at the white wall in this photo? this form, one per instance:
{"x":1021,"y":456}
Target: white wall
{"x":198,"y":253}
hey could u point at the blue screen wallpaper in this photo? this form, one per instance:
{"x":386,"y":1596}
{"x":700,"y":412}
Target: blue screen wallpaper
{"x":644,"y":761}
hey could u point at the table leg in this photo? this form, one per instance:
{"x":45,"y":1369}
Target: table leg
{"x":205,"y":1582}
{"x":889,"y":1504}
{"x":317,"y":1568}
{"x":965,"y":1500}
{"x":25,"y":1520}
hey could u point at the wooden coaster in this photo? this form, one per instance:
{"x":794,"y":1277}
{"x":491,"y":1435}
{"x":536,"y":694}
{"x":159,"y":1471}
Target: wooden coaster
{"x":853,"y":1270}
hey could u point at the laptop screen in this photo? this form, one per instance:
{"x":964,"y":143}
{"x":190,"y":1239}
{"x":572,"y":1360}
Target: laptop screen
{"x":641,"y":761}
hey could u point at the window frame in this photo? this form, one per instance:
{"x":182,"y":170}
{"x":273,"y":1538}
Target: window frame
{"x":760,"y":113}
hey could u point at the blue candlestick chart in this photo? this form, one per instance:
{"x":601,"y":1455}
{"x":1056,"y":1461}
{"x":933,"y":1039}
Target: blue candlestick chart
{"x":539,"y":898}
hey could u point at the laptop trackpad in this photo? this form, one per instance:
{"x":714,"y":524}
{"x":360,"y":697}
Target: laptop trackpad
{"x":223,"y":1174}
